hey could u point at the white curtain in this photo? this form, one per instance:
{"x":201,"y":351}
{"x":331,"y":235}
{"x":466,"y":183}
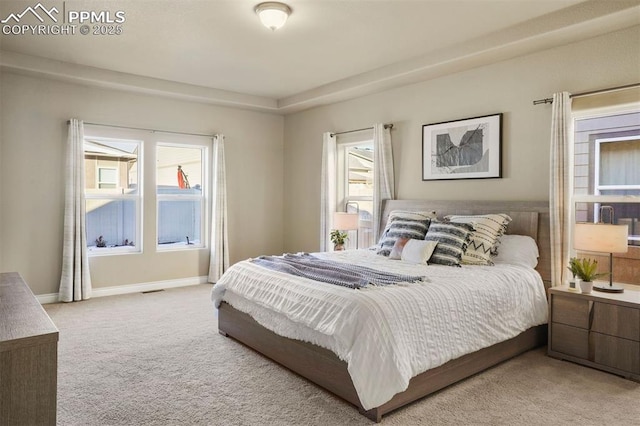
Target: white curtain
{"x":383,"y":177}
{"x":75,"y":281}
{"x":560,"y":186}
{"x":328,"y":196}
{"x":219,"y":258}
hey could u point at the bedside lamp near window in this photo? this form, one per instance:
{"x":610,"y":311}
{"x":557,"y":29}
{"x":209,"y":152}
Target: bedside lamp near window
{"x":343,"y":221}
{"x":603,"y":238}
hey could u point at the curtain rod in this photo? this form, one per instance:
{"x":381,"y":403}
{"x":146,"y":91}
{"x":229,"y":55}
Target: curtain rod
{"x":592,"y":92}
{"x":144,"y":129}
{"x":386,"y":126}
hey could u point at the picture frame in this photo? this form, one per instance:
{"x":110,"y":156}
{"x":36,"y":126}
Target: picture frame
{"x":470,"y":148}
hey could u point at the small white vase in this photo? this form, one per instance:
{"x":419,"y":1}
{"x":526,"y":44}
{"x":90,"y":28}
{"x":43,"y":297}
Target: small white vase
{"x":586,"y":286}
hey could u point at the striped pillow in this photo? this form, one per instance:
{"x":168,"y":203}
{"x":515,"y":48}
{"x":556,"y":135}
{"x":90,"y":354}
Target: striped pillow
{"x":488,"y":228}
{"x":403,"y":214}
{"x":452,"y":238}
{"x":402,"y":228}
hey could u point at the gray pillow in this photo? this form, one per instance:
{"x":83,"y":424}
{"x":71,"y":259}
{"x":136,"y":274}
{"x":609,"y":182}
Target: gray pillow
{"x":452,"y":238}
{"x":404,"y":214}
{"x":402,"y":228}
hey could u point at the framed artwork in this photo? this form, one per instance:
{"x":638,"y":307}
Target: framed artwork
{"x":463,"y":149}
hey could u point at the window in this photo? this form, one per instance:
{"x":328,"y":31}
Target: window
{"x":112,"y":192}
{"x":107,"y":177}
{"x":606,"y":171}
{"x":355,"y":188}
{"x":123,"y":209}
{"x":180,"y":189}
{"x":617,"y":166}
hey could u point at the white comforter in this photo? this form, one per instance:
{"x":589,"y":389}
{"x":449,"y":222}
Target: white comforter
{"x":388,"y":335}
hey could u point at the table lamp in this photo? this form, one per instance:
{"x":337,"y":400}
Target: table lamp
{"x":603,"y":238}
{"x":343,"y":221}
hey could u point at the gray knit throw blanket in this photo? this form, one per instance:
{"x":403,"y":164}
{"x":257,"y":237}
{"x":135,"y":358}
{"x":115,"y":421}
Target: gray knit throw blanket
{"x":328,"y":271}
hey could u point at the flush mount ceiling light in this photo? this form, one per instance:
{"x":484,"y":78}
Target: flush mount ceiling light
{"x":273,"y":14}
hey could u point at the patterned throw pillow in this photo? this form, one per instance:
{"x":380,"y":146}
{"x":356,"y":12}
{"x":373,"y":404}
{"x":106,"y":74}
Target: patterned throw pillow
{"x":452,"y":238}
{"x":488,"y":228}
{"x":403,"y":214}
{"x":402,"y":228}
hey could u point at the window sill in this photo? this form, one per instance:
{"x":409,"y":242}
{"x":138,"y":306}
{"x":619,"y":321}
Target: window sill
{"x":115,"y":251}
{"x":184,"y":247}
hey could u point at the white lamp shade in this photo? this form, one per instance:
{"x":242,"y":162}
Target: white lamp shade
{"x":601,"y":237}
{"x":345,"y":221}
{"x":273,"y":15}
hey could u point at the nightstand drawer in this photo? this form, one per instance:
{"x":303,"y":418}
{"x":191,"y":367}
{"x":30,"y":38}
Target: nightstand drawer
{"x":622,"y":354}
{"x":616,"y":321}
{"x":570,"y":340}
{"x":570,"y":311}
{"x":600,"y":330}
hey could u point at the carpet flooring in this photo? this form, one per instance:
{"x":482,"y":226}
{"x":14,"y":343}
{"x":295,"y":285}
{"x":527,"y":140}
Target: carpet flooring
{"x":157,"y":359}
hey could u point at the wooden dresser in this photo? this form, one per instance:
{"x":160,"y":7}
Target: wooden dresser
{"x":600,"y":330}
{"x":28,"y":356}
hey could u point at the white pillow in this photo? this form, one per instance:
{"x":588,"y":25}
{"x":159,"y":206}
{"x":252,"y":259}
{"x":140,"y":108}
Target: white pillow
{"x":418,"y":251}
{"x":517,"y":250}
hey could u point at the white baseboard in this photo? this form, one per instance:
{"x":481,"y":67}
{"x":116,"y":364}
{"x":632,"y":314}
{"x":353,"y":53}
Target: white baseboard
{"x":130,"y":288}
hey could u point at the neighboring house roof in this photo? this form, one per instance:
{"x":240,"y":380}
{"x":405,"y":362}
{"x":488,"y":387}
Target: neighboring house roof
{"x":103,"y":148}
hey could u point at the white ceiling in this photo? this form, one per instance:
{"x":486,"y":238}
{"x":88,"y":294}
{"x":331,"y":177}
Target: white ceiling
{"x":217,"y":51}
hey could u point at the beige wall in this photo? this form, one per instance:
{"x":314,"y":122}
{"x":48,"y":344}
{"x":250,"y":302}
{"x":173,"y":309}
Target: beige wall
{"x":508,"y":87}
{"x":265,"y":150}
{"x":34,"y":115}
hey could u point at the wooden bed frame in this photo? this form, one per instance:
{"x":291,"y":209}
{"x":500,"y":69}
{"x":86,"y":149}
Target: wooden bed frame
{"x":324,"y":368}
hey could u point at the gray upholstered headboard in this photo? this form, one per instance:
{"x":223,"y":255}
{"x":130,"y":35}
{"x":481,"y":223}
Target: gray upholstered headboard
{"x":529,"y":218}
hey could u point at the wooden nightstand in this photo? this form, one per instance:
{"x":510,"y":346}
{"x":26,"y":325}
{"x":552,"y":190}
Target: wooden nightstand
{"x":600,"y":330}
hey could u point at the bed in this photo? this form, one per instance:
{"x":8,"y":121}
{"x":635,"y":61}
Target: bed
{"x":320,"y":356}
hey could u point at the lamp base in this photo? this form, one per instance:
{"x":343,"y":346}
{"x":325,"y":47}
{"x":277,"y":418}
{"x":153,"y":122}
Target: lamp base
{"x":608,"y":288}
